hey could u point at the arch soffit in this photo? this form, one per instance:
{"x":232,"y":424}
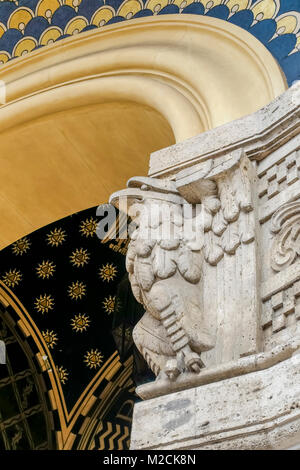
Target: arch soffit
{"x":198,"y":72}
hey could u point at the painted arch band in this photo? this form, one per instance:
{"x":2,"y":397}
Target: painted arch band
{"x":198,"y":72}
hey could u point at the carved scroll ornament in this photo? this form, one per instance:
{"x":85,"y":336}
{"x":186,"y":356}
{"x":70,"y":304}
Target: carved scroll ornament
{"x":286,"y":245}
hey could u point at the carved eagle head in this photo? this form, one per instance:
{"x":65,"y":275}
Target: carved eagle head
{"x":142,"y":188}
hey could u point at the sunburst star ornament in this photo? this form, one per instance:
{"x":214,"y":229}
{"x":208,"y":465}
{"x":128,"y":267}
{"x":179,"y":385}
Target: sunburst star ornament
{"x":93,"y":358}
{"x":80,"y":323}
{"x":50,"y":338}
{"x":56,"y":237}
{"x":77,"y":290}
{"x":119,"y":332}
{"x":62,"y":374}
{"x":45,"y":269}
{"x":88,"y":227}
{"x":108,"y":272}
{"x":12,"y":278}
{"x":79,"y":257}
{"x":21,"y":246}
{"x":111,"y":304}
{"x":44,"y":303}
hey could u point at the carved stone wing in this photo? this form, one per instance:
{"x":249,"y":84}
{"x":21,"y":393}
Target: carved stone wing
{"x":165,"y":251}
{"x":225,"y":193}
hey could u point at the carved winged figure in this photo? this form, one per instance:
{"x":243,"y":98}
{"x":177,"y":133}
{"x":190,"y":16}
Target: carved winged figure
{"x":169,"y":243}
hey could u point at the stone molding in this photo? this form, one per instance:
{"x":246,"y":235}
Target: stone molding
{"x":162,"y":61}
{"x":245,"y":365}
{"x":259,"y":135}
{"x":256,"y":411}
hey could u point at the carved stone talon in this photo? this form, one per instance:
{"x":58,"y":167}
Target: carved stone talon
{"x":172,"y":371}
{"x":172,"y":376}
{"x":195,"y":367}
{"x":194,"y":362}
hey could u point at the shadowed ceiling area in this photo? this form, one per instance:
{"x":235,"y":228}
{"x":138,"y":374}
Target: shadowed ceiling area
{"x":66,"y":162}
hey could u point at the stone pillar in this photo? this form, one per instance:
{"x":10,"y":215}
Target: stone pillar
{"x":222,"y":324}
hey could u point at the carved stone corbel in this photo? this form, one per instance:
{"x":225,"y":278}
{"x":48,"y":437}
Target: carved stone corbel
{"x":167,"y":251}
{"x":247,"y":397}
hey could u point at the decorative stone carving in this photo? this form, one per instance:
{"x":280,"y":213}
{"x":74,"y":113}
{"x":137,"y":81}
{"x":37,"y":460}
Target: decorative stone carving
{"x":281,"y":305}
{"x":254,"y":409}
{"x":247,"y":397}
{"x":279,"y":176}
{"x":224,"y":189}
{"x":286,"y":245}
{"x":165,"y":271}
{"x":172,"y":238}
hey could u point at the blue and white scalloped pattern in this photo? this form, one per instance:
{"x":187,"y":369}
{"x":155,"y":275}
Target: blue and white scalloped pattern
{"x":26,"y":25}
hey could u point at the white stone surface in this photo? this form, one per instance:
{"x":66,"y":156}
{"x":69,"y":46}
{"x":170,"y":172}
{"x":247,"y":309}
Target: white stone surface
{"x":260,"y":410}
{"x":236,"y":368}
{"x":254,"y":133}
{"x":235,"y":299}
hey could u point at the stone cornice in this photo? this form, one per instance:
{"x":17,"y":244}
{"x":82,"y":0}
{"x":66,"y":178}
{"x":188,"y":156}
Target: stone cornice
{"x":259,"y":134}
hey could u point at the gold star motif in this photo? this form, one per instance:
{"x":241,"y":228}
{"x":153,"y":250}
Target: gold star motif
{"x":79,"y":257}
{"x":77,"y":290}
{"x":21,"y":246}
{"x":45,"y":269}
{"x":111,"y":304}
{"x":108,"y":272}
{"x":93,"y":358}
{"x":80,"y":322}
{"x":12,"y":278}
{"x":62,"y":374}
{"x":44,"y":303}
{"x":56,"y":237}
{"x":88,"y":227}
{"x":50,"y":337}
